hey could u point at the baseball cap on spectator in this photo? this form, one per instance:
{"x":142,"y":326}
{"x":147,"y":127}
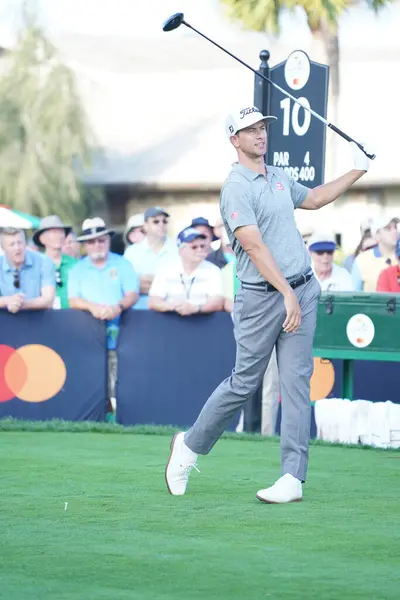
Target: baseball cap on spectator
{"x":50,"y":222}
{"x":201,"y":221}
{"x":244,"y":117}
{"x":322,"y":241}
{"x":133,"y":222}
{"x":188,"y":235}
{"x":93,"y":228}
{"x":154,"y":211}
{"x":379,"y":223}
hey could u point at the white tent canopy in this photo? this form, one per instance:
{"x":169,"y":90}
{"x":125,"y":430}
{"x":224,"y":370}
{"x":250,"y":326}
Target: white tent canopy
{"x":11,"y":219}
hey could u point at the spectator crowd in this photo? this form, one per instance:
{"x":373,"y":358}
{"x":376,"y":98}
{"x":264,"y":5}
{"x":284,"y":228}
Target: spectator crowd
{"x":193,"y":274}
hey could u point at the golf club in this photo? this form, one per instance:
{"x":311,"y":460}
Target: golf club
{"x":178,"y":19}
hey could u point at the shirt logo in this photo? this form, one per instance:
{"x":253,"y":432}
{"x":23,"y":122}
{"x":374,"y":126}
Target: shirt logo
{"x":279,"y":186}
{"x":235,"y":214}
{"x":113,"y":273}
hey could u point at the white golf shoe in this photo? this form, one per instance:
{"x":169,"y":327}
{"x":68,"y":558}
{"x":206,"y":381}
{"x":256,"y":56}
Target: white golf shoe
{"x":181,"y":461}
{"x":286,"y":489}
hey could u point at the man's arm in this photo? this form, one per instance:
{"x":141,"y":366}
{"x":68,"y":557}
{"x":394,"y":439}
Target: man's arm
{"x":214,"y":304}
{"x":329,"y":192}
{"x":47,"y":287}
{"x":45,"y":300}
{"x":81,"y":304}
{"x":129,"y":299}
{"x":145,"y":283}
{"x":251,"y":241}
{"x":130,"y":285}
{"x":157,"y":303}
{"x":158,"y":293}
{"x":4,"y":300}
{"x":215,"y":292}
{"x":237,"y":208}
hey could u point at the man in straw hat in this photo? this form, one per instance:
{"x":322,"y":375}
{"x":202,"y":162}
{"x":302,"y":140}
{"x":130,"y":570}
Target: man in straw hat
{"x":51,"y":236}
{"x":104,"y":284}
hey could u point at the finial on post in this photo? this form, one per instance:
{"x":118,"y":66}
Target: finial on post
{"x":264,"y":57}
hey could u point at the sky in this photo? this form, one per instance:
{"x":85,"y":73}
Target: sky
{"x":144,"y":18}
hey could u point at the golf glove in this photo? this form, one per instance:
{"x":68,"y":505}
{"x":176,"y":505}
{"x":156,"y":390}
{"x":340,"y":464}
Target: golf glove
{"x":361,"y":161}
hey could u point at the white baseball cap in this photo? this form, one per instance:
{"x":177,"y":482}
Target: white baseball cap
{"x":379,"y":223}
{"x":244,"y":117}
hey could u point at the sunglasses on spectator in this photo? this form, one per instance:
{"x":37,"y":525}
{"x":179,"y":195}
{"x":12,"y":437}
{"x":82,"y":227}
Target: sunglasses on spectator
{"x":157,"y":221}
{"x":58,"y":278}
{"x":322,"y":252}
{"x":17,"y":281}
{"x":198,"y":246}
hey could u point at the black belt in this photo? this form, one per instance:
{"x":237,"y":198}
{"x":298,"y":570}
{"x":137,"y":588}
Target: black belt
{"x":267,"y":287}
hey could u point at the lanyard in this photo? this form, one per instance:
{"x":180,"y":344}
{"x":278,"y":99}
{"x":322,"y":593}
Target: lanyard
{"x":187,"y":289}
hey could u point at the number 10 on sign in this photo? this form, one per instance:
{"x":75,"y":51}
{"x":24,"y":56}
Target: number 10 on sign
{"x":291,"y":116}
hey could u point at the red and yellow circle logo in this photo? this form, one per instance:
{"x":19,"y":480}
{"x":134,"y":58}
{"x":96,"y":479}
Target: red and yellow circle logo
{"x":33,"y":373}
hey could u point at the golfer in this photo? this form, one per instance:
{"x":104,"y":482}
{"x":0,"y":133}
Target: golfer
{"x":276,"y":305}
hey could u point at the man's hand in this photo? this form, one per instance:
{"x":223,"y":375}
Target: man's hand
{"x":15,"y":302}
{"x":105,"y":312}
{"x":361,"y":161}
{"x":112,"y":312}
{"x":98,"y":311}
{"x":293,"y":312}
{"x":186,"y":308}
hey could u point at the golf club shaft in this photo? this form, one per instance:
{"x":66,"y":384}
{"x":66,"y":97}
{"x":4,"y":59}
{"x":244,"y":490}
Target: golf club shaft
{"x":312,"y":112}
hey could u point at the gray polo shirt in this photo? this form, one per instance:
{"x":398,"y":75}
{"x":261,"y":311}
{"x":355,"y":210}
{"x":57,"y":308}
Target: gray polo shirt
{"x":247,"y":198}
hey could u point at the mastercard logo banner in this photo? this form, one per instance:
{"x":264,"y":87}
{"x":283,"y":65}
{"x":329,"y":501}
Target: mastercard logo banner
{"x":32,"y":373}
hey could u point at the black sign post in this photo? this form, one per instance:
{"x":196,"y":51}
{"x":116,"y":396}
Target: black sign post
{"x":296,"y":142}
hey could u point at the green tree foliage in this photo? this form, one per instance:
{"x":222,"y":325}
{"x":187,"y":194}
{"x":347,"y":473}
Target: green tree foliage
{"x":322,"y":17}
{"x":45,"y":138}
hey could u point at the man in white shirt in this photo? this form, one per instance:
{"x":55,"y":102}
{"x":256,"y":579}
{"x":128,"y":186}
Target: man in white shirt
{"x":153,"y":253}
{"x":331,"y":277}
{"x":189,"y":285}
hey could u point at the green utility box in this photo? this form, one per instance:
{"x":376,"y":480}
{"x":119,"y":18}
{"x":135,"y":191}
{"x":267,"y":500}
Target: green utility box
{"x":367,"y":326}
{"x":361,"y":326}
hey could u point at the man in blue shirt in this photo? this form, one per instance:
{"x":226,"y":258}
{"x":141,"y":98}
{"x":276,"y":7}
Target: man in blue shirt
{"x":104,"y":284}
{"x":27,"y":278}
{"x":153,"y":253}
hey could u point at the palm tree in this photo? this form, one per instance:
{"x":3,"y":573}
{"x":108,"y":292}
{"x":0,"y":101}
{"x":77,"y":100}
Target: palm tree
{"x":322,"y":17}
{"x":45,"y":139}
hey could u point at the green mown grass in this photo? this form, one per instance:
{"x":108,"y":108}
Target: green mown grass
{"x":124,"y":537}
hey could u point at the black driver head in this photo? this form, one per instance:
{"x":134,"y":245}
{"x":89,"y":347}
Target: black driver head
{"x":173,"y":22}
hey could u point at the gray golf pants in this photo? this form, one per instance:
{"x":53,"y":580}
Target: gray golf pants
{"x":258,"y":319}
